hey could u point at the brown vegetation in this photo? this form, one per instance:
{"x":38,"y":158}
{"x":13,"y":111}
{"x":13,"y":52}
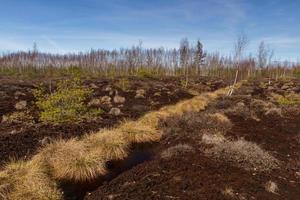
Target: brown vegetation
{"x":244,"y":154}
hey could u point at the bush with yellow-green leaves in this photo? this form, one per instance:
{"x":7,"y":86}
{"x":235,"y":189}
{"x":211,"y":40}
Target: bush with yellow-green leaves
{"x":67,"y":104}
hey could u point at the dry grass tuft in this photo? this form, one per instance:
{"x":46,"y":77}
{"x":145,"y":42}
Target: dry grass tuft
{"x":136,"y":132}
{"x":217,"y":138}
{"x":177,"y":150}
{"x":221,"y":118}
{"x":71,"y":160}
{"x":27,"y":180}
{"x":244,"y":154}
{"x":108,"y":144}
{"x":195,"y":124}
{"x":228,"y":192}
{"x":274,"y":112}
{"x":260,"y":106}
{"x":272,"y":187}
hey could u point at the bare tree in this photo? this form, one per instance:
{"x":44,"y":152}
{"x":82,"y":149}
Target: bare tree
{"x":199,"y":57}
{"x":239,"y":48}
{"x":262,"y":55}
{"x":184,"y":56}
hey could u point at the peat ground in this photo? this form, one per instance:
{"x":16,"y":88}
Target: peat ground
{"x":21,"y":140}
{"x":195,"y":175}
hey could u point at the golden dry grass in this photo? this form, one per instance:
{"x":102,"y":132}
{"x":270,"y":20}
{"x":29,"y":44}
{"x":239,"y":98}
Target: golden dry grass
{"x":137,"y":132}
{"x":108,"y":144}
{"x":220,"y":117}
{"x":71,"y":160}
{"x":22,"y":180}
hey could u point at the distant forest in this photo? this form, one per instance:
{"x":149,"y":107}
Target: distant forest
{"x":187,"y":60}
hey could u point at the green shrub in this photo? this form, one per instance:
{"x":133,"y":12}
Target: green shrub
{"x":290,"y":99}
{"x":66,"y":104}
{"x":145,"y":73}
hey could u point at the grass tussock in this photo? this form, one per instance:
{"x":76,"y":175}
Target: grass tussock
{"x":274,"y":112}
{"x":215,"y":139}
{"x":71,"y":160}
{"x":108,"y":144}
{"x":136,"y":132}
{"x":271,"y":187}
{"x":221,"y":118}
{"x":177,"y":150}
{"x":27,"y":180}
{"x":247,"y":155}
{"x":195,"y":124}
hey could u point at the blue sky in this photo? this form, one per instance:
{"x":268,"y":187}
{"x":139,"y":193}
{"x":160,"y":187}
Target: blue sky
{"x":61,"y":26}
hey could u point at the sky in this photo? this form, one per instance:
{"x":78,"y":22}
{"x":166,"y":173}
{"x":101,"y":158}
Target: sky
{"x":62,"y":26}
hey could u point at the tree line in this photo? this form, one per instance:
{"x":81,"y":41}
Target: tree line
{"x":187,"y":60}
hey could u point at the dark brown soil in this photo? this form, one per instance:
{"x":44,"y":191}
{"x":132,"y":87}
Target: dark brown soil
{"x":22,"y":140}
{"x":194,"y":175}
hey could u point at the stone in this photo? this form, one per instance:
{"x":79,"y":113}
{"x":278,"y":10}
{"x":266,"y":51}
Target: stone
{"x":140,"y":94}
{"x":115,"y":111}
{"x":4,"y":119}
{"x":140,"y":108}
{"x":107,"y":89}
{"x":119,"y":99}
{"x":270,"y":88}
{"x":157,"y":94}
{"x":105,"y":100}
{"x":94,"y":86}
{"x":18,"y":94}
{"x":21,"y":105}
{"x":284,"y":87}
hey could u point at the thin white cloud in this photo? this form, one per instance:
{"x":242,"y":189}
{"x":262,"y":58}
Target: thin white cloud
{"x":7,"y":44}
{"x":54,"y":45}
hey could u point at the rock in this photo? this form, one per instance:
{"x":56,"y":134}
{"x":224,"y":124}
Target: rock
{"x":169,"y":93}
{"x":119,"y":99}
{"x":4,"y":119}
{"x":284,"y":87}
{"x":157,"y":94}
{"x":21,"y":105}
{"x":140,"y":108}
{"x":107,"y":89}
{"x":270,"y":88}
{"x":18,"y":94}
{"x":140,"y":94}
{"x":94,"y":86}
{"x":115,"y":111}
{"x":105,"y":100}
{"x":296,"y":89}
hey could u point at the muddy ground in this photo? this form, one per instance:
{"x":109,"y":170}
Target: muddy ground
{"x":190,"y":173}
{"x":195,"y":175}
{"x":21,"y":140}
